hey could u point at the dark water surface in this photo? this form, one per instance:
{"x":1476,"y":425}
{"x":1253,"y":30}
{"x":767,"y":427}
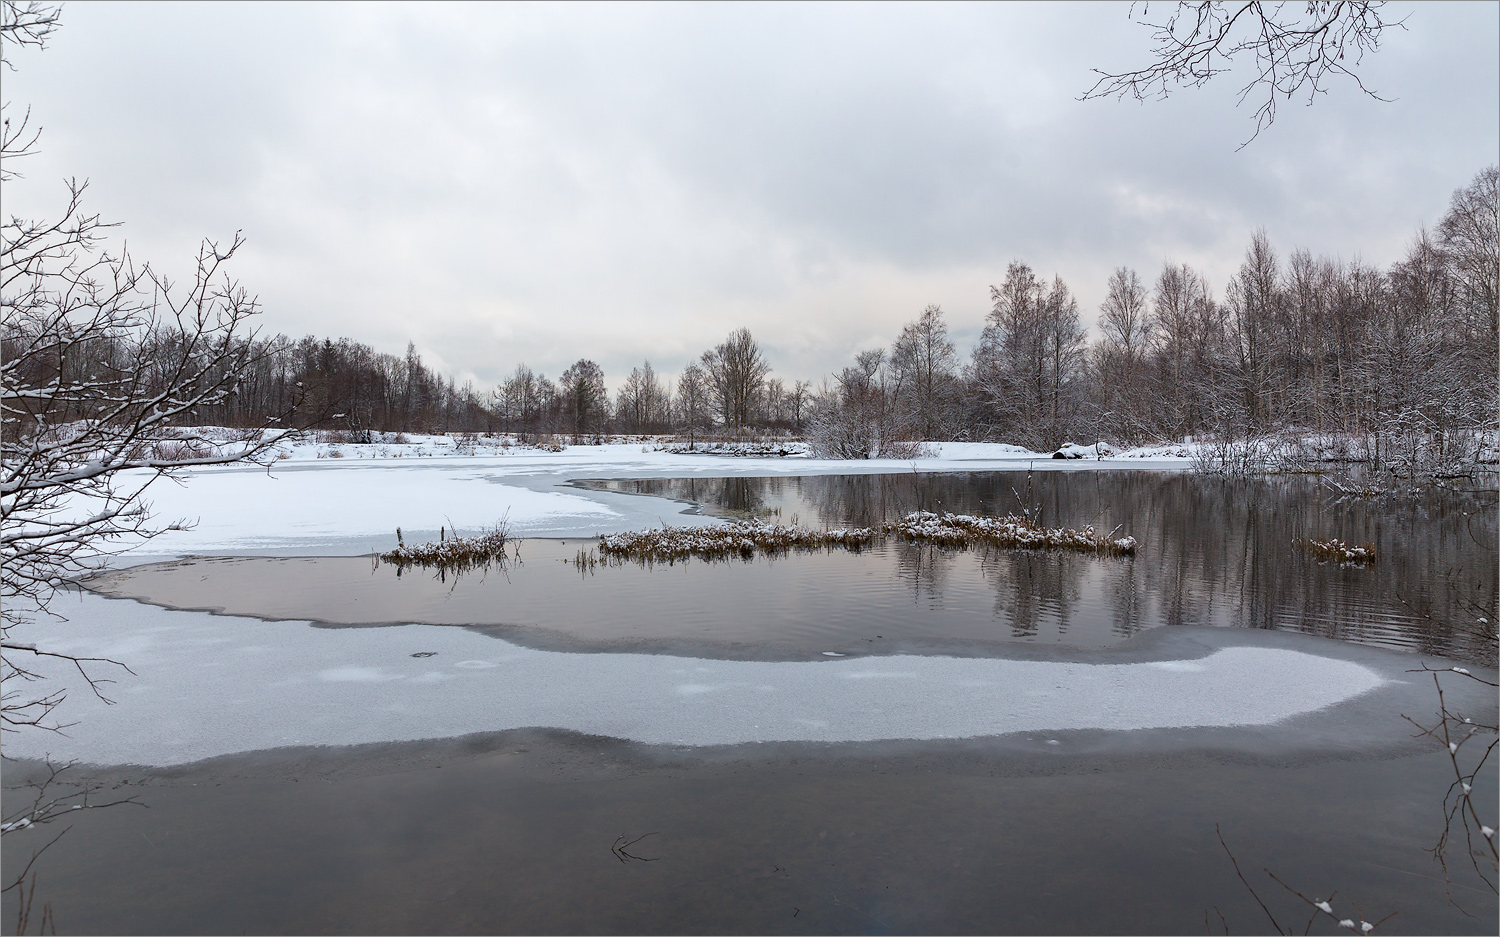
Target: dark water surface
{"x":1213,"y":552}
{"x":512,"y":832}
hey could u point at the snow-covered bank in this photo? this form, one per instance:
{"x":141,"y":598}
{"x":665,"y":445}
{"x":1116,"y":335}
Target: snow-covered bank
{"x":208,"y":686}
{"x":310,"y":503}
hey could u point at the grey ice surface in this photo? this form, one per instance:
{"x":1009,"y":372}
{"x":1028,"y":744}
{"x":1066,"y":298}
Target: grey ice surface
{"x":206,"y":685}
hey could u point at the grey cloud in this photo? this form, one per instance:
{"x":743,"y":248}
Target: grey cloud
{"x":503,"y":183}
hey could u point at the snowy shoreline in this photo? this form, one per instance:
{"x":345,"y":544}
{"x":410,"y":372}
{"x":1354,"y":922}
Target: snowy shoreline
{"x":309,"y":504}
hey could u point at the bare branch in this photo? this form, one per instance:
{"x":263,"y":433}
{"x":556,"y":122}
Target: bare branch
{"x":1291,"y":53}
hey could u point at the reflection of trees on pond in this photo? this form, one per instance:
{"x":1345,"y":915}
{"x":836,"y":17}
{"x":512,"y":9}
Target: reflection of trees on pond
{"x":857,"y":500}
{"x":1125,"y":597}
{"x":738,"y":496}
{"x":745,"y":496}
{"x":925,"y":568}
{"x":1213,"y":551}
{"x":1033,"y":585}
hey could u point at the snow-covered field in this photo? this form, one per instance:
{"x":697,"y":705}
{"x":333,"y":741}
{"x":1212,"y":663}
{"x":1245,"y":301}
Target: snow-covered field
{"x":207,"y":686}
{"x":311,"y":503}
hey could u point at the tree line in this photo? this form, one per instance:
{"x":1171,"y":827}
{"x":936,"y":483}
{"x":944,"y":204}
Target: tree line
{"x":1402,"y":360}
{"x":1300,"y":342}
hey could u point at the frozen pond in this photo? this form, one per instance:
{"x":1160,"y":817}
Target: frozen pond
{"x":902,"y":739}
{"x":1213,"y":553}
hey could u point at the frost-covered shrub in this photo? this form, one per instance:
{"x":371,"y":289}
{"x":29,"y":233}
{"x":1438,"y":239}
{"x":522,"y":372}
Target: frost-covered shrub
{"x":840,"y":430}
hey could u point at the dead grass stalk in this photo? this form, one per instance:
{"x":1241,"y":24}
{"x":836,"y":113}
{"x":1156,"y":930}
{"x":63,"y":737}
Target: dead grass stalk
{"x":456,"y":554}
{"x":962,"y":530}
{"x":744,"y":538}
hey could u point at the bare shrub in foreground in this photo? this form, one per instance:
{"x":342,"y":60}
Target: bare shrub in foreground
{"x":104,"y":362}
{"x":1293,"y":50}
{"x":1455,"y":730}
{"x":1321,"y":907}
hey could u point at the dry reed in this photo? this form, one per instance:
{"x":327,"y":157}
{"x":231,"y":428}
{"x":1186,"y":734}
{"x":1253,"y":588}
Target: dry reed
{"x":457,"y":554}
{"x":957,"y":530}
{"x":743,"y":538}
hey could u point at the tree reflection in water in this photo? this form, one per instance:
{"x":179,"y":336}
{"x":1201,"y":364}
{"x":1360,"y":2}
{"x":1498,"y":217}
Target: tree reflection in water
{"x":1213,"y":551}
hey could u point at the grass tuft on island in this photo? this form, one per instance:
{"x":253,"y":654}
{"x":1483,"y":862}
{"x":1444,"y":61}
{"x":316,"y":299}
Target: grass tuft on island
{"x":1337,"y":550}
{"x":962,"y":530}
{"x":741,"y":538}
{"x":747,"y":538}
{"x":455,"y":554}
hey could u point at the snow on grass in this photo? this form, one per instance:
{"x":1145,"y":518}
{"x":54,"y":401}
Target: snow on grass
{"x":1337,"y":550}
{"x":459,"y":554}
{"x":747,"y":538}
{"x":1009,"y":531}
{"x":208,"y":686}
{"x":741,"y":538}
{"x":779,"y":449}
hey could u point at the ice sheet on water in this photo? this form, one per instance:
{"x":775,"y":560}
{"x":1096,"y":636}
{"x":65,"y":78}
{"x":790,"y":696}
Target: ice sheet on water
{"x":344,"y":677}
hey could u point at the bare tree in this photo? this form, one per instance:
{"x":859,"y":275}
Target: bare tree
{"x":1008,"y":363}
{"x":798,"y":400}
{"x":520,"y":400}
{"x":1295,"y":49}
{"x":924,"y":364}
{"x":1190,"y":341}
{"x":1124,"y":317}
{"x":866,"y":401}
{"x":642,"y":402}
{"x":693,"y":409}
{"x":1469,"y":236}
{"x":1064,"y":339}
{"x":1253,"y":298}
{"x":860,"y":416}
{"x":1120,"y":357}
{"x":1029,"y":359}
{"x":736,"y":370}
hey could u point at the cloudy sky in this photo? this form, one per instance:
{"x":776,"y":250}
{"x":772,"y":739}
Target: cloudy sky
{"x":500,"y":183}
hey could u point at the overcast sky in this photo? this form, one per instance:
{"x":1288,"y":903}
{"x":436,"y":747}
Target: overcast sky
{"x":500,"y":183}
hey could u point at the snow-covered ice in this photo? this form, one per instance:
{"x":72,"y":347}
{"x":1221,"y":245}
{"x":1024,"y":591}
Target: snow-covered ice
{"x":208,"y":686}
{"x":311,"y":504}
{"x":298,"y":506}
